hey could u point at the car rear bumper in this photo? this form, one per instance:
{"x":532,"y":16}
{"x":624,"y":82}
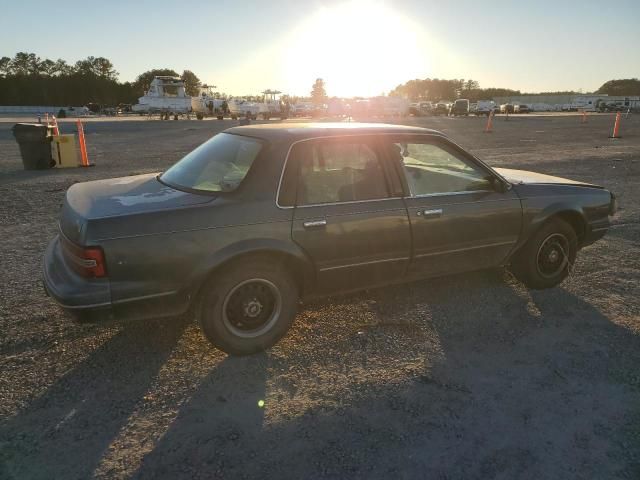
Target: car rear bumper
{"x":90,"y":298}
{"x":68,"y":288}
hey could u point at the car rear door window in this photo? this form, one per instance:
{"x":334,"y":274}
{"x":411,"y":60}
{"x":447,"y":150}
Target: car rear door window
{"x":431,"y":169}
{"x":339,"y":171}
{"x":218,"y":165}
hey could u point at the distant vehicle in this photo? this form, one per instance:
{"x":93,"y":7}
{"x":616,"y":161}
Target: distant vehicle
{"x":303,"y":109}
{"x":613,"y":107}
{"x":167,"y":96}
{"x":337,"y":108}
{"x":460,"y":108}
{"x":94,"y":107}
{"x":380,"y":107}
{"x":485,"y":107}
{"x":260,"y":216}
{"x":426,"y":107}
{"x":442,"y":108}
{"x":272,"y":105}
{"x":568,"y":107}
{"x":521,"y":109}
{"x":361,"y":108}
{"x":389,"y":107}
{"x":123,"y":108}
{"x":506,"y":108}
{"x":420,"y":108}
{"x":239,"y":107}
{"x":207,"y":105}
{"x":72,"y":111}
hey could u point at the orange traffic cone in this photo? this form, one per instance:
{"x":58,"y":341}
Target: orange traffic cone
{"x":84,"y":159}
{"x":616,"y":127}
{"x":54,"y":124}
{"x":489,"y":127}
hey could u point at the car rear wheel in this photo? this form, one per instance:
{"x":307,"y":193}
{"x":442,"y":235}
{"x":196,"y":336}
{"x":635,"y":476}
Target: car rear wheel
{"x":547,"y":258}
{"x":248,"y":307}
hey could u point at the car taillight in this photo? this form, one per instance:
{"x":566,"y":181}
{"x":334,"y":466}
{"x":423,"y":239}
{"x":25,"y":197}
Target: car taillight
{"x":94,"y":263}
{"x":87,"y":261}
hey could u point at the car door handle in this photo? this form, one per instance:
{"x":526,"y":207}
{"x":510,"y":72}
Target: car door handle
{"x":430,"y":213}
{"x":315,"y":224}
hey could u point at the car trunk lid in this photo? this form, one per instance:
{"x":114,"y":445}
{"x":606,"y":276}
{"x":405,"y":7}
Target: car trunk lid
{"x":114,"y":197}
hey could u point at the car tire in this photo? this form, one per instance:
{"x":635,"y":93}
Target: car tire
{"x":248,"y":307}
{"x":548,"y":256}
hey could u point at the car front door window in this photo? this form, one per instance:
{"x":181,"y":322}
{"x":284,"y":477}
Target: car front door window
{"x":431,"y":169}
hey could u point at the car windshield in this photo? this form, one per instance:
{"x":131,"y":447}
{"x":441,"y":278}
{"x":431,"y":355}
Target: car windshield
{"x":218,"y":165}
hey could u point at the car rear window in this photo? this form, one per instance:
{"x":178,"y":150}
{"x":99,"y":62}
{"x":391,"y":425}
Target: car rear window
{"x":218,"y":165}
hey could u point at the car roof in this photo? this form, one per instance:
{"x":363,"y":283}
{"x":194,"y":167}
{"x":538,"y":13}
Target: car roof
{"x":298,"y":131}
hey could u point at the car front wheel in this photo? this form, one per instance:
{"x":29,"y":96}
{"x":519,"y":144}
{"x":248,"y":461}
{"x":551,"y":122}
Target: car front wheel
{"x":547,"y":258}
{"x":249,"y":307}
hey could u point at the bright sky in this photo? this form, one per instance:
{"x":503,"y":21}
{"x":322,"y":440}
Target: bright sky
{"x":360,"y":47}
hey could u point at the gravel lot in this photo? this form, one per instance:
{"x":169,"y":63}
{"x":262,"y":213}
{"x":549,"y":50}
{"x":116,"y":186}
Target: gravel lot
{"x":465,"y":377}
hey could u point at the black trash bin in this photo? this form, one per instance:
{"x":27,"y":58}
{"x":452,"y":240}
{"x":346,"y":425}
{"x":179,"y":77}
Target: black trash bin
{"x":35,"y":145}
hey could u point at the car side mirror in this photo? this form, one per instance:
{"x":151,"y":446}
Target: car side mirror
{"x":497,"y":184}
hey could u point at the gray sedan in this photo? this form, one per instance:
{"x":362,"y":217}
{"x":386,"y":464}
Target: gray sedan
{"x":259,"y":217}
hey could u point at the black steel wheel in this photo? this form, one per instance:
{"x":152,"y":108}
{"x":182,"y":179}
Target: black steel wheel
{"x":552,"y":257}
{"x":548,"y":256}
{"x":249,"y":306}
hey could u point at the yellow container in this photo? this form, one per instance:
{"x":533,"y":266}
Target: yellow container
{"x":64,"y":150}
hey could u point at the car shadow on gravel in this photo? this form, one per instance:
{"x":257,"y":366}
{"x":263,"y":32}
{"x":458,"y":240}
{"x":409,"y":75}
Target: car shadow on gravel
{"x":512,"y":384}
{"x":471,"y":376}
{"x":64,"y":432}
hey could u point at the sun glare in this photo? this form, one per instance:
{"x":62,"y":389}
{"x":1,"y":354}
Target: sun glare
{"x":359,"y":48}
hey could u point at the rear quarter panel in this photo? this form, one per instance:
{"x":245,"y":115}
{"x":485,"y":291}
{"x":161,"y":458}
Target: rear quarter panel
{"x":167,"y":253}
{"x":173,"y":263}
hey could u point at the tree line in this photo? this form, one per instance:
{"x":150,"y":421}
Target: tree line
{"x":435,"y":89}
{"x":27,"y":79}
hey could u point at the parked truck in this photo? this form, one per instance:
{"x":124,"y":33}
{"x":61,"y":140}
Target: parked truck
{"x":460,"y":107}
